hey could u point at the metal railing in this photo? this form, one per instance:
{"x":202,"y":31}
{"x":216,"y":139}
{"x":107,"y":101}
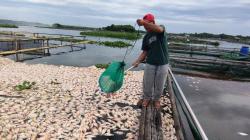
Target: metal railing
{"x":189,"y":126}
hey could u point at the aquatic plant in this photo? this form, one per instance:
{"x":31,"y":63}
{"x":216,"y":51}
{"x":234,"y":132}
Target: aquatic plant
{"x":24,"y":85}
{"x":11,"y":33}
{"x":102,"y":66}
{"x":115,"y":44}
{"x":112,"y":34}
{"x":69,"y":39}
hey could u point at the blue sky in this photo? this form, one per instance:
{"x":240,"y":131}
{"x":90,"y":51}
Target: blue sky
{"x":214,"y":16}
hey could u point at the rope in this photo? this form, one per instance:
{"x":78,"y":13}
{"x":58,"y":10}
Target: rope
{"x":126,"y":53}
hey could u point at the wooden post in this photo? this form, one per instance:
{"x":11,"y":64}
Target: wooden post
{"x":206,"y":46}
{"x":148,"y":121}
{"x":17,"y":48}
{"x":71,"y":45}
{"x":61,"y":39}
{"x":191,"y":51}
{"x":43,"y":46}
{"x":34,"y":36}
{"x":48,"y":53}
{"x":141,"y":126}
{"x":84,"y":46}
{"x":12,"y":44}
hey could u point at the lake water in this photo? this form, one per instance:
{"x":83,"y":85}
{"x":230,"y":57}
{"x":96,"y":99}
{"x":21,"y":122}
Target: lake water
{"x":93,"y":54}
{"x":222,"y":107}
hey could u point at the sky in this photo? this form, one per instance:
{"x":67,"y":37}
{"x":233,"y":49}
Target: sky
{"x":178,"y":16}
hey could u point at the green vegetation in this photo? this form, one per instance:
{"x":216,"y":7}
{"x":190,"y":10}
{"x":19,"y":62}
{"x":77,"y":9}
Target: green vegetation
{"x":19,"y":34}
{"x":215,"y":43}
{"x":234,"y":56}
{"x":208,"y":35}
{"x":120,"y":28}
{"x":102,"y":66}
{"x":115,"y":44}
{"x":122,"y":35}
{"x":68,"y":39}
{"x":24,"y":85}
{"x":230,"y":56}
{"x":61,"y":26}
{"x":116,"y":31}
{"x":225,"y":37}
{"x":8,"y":26}
{"x":11,"y":33}
{"x":6,"y":40}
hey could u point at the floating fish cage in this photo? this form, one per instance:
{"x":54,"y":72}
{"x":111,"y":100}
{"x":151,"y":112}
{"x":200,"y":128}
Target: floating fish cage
{"x":38,"y":44}
{"x":227,"y":63}
{"x":24,"y":44}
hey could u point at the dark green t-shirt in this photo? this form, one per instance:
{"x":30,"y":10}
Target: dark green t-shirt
{"x":157,"y":48}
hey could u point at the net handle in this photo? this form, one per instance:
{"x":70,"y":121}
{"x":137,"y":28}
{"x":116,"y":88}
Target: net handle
{"x":129,"y":69}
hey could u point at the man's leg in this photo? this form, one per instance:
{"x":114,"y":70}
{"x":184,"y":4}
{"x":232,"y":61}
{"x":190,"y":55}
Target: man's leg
{"x":160,"y":79}
{"x":148,"y":85}
{"x":148,"y":81}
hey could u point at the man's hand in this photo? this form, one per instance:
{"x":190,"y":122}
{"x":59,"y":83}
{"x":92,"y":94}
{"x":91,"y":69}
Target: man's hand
{"x":150,"y":26}
{"x":140,"y":59}
{"x":135,"y":64}
{"x":140,"y":22}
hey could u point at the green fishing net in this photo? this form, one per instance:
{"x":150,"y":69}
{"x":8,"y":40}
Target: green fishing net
{"x":111,"y":79}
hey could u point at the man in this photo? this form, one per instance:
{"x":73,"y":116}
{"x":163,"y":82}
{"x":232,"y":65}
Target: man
{"x":155,"y":52}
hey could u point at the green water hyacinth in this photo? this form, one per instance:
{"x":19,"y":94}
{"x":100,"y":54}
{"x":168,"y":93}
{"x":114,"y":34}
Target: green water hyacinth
{"x":112,"y":34}
{"x":24,"y":85}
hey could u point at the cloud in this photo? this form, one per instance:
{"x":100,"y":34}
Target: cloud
{"x":51,"y":2}
{"x":176,"y":13}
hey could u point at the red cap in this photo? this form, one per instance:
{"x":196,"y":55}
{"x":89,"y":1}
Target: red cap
{"x":149,"y":17}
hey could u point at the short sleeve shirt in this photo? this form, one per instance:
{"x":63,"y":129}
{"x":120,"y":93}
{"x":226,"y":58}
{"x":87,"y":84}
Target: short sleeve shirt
{"x":157,"y":47}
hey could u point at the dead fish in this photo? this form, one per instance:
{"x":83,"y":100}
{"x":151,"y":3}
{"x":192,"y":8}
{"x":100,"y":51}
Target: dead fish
{"x":242,"y":134}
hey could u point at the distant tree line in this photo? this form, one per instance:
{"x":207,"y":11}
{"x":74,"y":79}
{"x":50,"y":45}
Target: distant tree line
{"x":230,"y":38}
{"x":120,"y":28}
{"x":8,"y":26}
{"x":225,"y":37}
{"x":221,"y":36}
{"x":112,"y":27}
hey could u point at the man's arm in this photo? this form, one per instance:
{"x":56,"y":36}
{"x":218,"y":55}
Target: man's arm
{"x":140,"y":58}
{"x":152,"y":27}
